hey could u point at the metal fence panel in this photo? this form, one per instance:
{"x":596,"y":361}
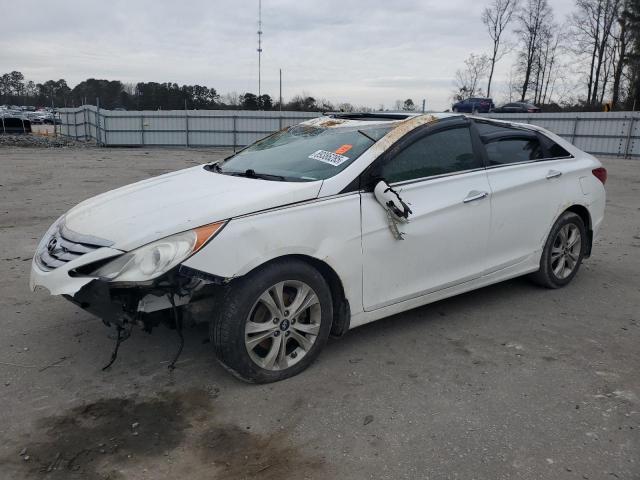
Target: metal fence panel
{"x":614,"y":133}
{"x":175,"y":127}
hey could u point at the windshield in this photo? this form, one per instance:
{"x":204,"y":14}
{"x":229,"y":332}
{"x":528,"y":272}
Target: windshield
{"x":303,"y":153}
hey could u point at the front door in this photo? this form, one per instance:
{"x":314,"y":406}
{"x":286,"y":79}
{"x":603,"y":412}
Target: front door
{"x":440,"y":176}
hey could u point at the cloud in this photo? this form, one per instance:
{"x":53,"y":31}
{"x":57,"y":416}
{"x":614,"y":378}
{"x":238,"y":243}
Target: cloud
{"x":365,"y":52}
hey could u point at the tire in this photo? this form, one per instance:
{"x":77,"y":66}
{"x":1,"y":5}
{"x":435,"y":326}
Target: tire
{"x":260,"y":342}
{"x":562,"y":256}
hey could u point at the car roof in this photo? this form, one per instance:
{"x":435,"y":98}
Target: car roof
{"x":361,"y":120}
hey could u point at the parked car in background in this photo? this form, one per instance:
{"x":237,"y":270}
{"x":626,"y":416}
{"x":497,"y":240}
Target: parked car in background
{"x":325,"y":226}
{"x":473,"y":105}
{"x":517,"y":107}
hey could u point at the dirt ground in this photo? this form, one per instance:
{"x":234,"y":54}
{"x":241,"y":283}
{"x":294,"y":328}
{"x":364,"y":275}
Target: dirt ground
{"x":507,"y":382}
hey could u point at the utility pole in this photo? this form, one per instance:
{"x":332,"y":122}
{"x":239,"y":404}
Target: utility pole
{"x":259,"y":54}
{"x":424,"y":102}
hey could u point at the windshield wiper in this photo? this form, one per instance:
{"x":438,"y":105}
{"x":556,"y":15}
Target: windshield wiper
{"x":251,"y":173}
{"x":370,"y":138}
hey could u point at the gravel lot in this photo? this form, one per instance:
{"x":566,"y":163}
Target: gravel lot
{"x":511,"y":381}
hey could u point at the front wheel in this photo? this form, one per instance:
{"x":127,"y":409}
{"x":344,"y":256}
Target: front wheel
{"x":273,"y":322}
{"x":563,"y":252}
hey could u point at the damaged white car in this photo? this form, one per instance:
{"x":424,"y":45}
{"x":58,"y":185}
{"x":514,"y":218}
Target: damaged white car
{"x":325,"y":226}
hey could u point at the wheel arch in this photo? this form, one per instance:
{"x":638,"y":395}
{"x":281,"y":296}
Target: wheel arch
{"x":341,"y":308}
{"x":584,"y":214}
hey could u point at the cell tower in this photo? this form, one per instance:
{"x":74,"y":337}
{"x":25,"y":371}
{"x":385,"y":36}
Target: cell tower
{"x":259,"y":52}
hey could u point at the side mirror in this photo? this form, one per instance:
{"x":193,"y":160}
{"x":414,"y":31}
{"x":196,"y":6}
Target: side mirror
{"x":391,"y":201}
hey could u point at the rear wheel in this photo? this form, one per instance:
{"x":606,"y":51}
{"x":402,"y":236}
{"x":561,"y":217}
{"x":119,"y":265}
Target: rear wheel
{"x":563,"y":252}
{"x":273,"y":322}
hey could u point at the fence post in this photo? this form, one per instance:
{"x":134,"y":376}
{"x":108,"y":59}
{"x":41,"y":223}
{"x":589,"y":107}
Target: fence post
{"x":186,"y":125}
{"x":84,"y":121}
{"x":142,"y":130}
{"x":235,"y":131}
{"x":628,"y":144}
{"x":105,"y":131}
{"x":98,"y":121}
{"x":53,"y":112}
{"x":575,"y":129}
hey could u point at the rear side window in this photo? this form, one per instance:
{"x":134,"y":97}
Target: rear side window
{"x":552,"y":149}
{"x":513,"y":150}
{"x":438,"y":153}
{"x":503,"y":142}
{"x":486,"y":129}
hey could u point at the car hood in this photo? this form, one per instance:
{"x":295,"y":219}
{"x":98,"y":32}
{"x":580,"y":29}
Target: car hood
{"x":145,"y":211}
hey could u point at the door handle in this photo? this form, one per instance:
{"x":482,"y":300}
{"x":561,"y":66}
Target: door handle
{"x":475,"y":195}
{"x":553,"y":174}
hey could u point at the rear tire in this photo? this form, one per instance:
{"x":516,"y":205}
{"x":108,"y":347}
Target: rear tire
{"x":273,"y":322}
{"x":563,"y":252}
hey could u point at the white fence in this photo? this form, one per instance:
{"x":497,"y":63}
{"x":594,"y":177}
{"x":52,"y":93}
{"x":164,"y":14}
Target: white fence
{"x":615,"y":133}
{"x":188,"y":128}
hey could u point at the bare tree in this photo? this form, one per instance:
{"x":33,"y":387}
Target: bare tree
{"x":468,"y":79}
{"x":593,"y":24}
{"x":621,"y":38}
{"x":544,"y":69}
{"x":496,"y":17}
{"x":532,"y":19}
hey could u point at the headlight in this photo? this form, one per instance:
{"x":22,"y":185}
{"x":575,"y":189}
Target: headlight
{"x":154,"y":259}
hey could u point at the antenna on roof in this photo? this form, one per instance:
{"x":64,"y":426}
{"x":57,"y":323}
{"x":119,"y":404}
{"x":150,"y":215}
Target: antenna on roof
{"x":259,"y":54}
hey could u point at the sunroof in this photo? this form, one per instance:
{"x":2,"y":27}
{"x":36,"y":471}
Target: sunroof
{"x":370,"y":116}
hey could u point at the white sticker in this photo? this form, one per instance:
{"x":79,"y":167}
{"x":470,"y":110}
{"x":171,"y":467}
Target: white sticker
{"x":328,"y":157}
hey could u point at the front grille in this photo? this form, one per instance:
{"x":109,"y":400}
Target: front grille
{"x":64,"y":246}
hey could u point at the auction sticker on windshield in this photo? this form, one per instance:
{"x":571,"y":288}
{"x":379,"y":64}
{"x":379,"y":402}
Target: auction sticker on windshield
{"x":328,"y":157}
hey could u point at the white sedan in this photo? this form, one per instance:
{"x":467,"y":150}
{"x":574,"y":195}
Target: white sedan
{"x":325,"y":226}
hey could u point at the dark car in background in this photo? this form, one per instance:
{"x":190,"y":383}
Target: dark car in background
{"x":473,"y":105}
{"x":517,"y":107}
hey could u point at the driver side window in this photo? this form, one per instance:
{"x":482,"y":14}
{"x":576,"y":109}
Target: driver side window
{"x":445,"y":151}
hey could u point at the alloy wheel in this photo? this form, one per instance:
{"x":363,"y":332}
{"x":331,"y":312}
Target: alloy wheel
{"x":565,"y":251}
{"x":283,"y":325}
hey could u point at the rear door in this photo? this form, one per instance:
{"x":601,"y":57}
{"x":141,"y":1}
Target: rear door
{"x":526,"y":192}
{"x":439,"y":172}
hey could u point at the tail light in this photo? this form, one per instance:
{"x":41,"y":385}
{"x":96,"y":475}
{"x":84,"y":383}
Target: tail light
{"x":600,"y":174}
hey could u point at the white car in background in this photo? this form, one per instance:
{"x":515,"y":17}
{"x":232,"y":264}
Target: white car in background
{"x":325,"y":226}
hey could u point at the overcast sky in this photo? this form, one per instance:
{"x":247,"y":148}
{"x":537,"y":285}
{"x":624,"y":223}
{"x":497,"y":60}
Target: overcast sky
{"x":366,"y":52}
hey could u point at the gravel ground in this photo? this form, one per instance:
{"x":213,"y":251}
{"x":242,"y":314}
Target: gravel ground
{"x":507,"y":382}
{"x":39,"y":141}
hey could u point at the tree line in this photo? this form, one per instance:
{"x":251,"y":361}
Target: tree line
{"x":589,"y":60}
{"x":15,"y":90}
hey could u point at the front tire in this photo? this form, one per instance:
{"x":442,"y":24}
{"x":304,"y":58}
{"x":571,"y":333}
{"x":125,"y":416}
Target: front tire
{"x":273,"y":322}
{"x":563,"y":252}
